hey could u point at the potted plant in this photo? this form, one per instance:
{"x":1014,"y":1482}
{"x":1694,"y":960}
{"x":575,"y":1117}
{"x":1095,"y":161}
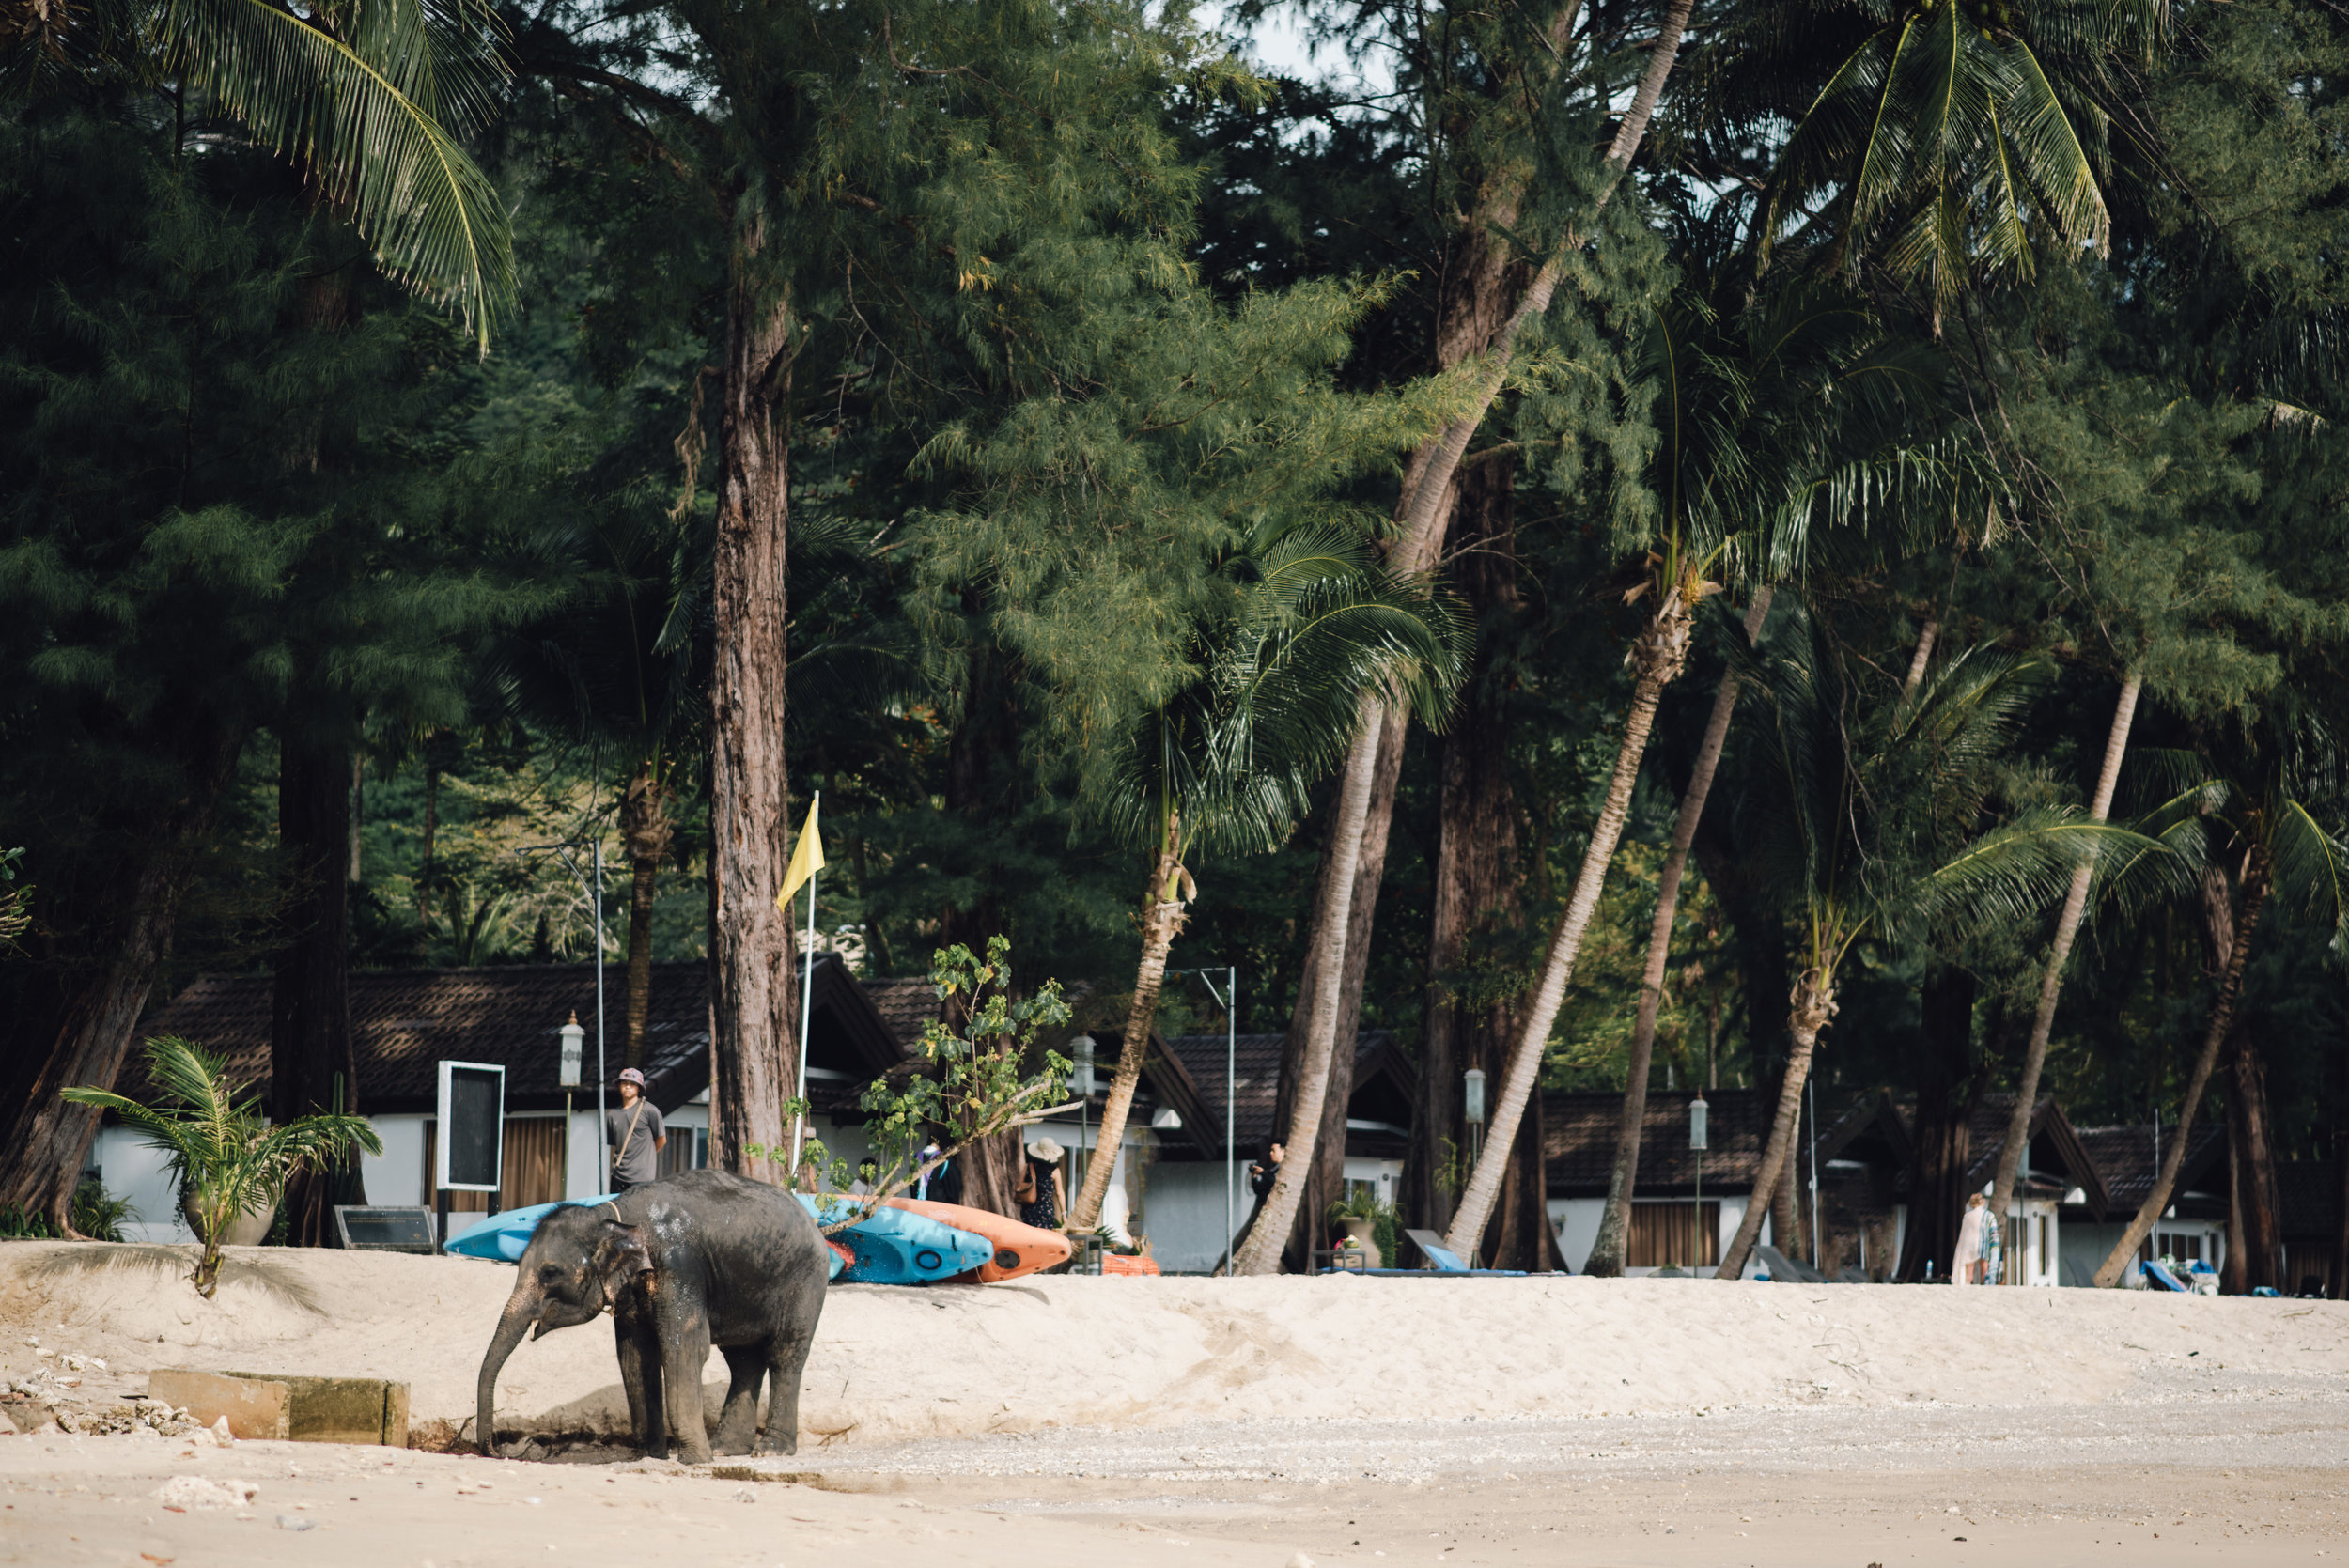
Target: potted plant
{"x":1362,"y":1216}
{"x":231,"y":1165}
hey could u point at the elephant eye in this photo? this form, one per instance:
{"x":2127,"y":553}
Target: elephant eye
{"x":549,"y":1273}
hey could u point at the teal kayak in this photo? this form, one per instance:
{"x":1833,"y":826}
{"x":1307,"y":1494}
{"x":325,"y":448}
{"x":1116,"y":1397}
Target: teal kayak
{"x":503,"y":1237}
{"x":891,"y":1247}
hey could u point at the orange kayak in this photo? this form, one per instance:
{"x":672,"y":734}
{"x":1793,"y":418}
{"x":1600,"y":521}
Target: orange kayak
{"x":1019,"y":1249}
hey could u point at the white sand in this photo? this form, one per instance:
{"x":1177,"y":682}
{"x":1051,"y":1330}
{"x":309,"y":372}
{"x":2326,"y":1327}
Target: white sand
{"x":893,"y":1364}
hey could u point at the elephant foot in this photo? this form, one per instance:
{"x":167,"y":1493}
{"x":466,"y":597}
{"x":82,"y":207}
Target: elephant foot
{"x":778,"y":1445}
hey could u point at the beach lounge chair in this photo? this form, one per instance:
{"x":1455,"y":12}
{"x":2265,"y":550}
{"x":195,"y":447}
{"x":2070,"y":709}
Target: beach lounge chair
{"x":1447,"y":1264}
{"x":1783,"y":1267}
{"x":2160,"y":1278}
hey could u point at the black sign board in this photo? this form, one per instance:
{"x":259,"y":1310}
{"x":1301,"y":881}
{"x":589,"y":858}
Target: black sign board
{"x":382,"y":1230}
{"x":471,"y":1142}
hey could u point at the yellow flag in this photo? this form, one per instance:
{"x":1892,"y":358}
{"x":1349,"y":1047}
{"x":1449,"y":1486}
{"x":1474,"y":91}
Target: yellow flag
{"x":807,"y":857}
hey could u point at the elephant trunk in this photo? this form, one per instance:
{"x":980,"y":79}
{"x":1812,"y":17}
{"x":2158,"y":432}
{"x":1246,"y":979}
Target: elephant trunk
{"x":522,"y":1310}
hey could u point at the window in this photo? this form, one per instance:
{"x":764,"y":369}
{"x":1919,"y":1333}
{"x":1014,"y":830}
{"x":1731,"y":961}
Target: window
{"x":1673,"y":1235}
{"x":688,"y":1149}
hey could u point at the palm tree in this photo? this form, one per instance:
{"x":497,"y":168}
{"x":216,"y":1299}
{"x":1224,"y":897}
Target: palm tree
{"x":2261,"y":839}
{"x":1939,"y":139}
{"x":1771,"y":419}
{"x":221,"y":1154}
{"x":1867,"y":814}
{"x":1312,"y":624}
{"x":367,"y":98}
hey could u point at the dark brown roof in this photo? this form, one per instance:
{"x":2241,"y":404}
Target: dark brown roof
{"x":1579,"y":1128}
{"x":2059,"y":1160}
{"x":404,"y":1022}
{"x":2126,"y":1160}
{"x":1255,"y":1065}
{"x":904,"y":1003}
{"x":1381,"y":1071}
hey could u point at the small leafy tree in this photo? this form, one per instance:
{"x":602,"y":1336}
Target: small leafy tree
{"x":223,"y":1154}
{"x":978,"y":1080}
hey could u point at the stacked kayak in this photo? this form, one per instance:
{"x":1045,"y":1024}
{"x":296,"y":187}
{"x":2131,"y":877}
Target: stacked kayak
{"x":1016,"y":1248}
{"x":503,"y":1237}
{"x":890,"y":1247}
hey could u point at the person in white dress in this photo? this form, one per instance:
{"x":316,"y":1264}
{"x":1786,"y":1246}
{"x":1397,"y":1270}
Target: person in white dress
{"x":1965,"y":1269}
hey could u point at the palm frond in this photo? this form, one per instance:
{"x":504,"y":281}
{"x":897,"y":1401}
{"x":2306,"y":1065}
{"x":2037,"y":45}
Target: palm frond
{"x":361,"y":115}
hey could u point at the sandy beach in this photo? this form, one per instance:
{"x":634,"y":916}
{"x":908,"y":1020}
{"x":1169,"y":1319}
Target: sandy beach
{"x":1249,"y":1421}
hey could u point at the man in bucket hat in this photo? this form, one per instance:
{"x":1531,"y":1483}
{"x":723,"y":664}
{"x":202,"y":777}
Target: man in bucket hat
{"x":633,"y":1131}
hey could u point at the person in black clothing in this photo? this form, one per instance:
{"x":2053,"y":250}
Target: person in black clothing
{"x":1262,"y":1175}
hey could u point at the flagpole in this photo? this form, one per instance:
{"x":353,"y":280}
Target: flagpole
{"x":807,"y":993}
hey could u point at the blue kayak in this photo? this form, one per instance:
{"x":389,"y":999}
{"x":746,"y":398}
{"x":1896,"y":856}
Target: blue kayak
{"x":891,"y":1247}
{"x":503,"y":1235}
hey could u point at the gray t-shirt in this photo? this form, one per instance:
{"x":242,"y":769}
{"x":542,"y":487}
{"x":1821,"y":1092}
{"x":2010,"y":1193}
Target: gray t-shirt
{"x":642,"y":1162}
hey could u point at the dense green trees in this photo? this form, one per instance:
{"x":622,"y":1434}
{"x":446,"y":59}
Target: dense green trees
{"x":957,"y":360}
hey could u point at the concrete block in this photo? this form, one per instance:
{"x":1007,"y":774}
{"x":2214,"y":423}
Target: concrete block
{"x":306,"y":1409}
{"x":256,"y":1407}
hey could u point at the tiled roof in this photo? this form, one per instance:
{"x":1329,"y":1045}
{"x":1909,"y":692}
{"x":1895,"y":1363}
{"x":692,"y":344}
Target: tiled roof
{"x":2127,"y":1159}
{"x":1256,"y":1063}
{"x":904,"y":1003}
{"x":404,"y":1022}
{"x":1579,"y":1132}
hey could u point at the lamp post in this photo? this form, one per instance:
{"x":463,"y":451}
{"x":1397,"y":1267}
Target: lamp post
{"x":1080,"y":1085}
{"x":573,"y":1036}
{"x":1472,"y":1108}
{"x":1229,"y":1001}
{"x":1700,"y":1139}
{"x":603,"y":1078}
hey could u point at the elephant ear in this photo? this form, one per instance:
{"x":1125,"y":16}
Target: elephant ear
{"x":622,"y":1254}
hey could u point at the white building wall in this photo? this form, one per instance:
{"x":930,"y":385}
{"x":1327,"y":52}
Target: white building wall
{"x":128,"y":1168}
{"x":396,"y":1178}
{"x":2082,"y":1248}
{"x":1184,"y":1210}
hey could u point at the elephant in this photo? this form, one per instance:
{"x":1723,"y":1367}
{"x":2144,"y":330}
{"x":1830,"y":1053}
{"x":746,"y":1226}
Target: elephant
{"x":699,"y":1259}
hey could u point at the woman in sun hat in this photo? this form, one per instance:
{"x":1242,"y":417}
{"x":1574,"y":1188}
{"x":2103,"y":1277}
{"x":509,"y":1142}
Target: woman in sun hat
{"x":1041,"y":1197}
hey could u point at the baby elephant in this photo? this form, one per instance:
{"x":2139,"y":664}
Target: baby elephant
{"x":698,"y":1260}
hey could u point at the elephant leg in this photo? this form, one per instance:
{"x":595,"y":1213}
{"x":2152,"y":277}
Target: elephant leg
{"x":787,"y":1365}
{"x":640,"y":1374}
{"x":684,"y":1329}
{"x":631,"y":1373}
{"x":737,"y":1422}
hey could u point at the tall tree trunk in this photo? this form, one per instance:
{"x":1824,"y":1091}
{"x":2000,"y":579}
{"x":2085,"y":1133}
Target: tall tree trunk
{"x":2262,"y":1206}
{"x":1922,"y":659}
{"x":1428,"y":491}
{"x":83,"y":1034}
{"x":1162,"y":904}
{"x":2339,"y":1291}
{"x":1786,"y":1204}
{"x":2256,"y":875}
{"x":2051,"y":984}
{"x":1475,"y":903}
{"x":1950,"y":1086}
{"x":1657,"y":658}
{"x":1260,"y":1252}
{"x":1814,"y":1005}
{"x":645,"y":833}
{"x":1614,"y":1220}
{"x":2235,"y":1273}
{"x":755,"y":1050}
{"x":312,"y":1065}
